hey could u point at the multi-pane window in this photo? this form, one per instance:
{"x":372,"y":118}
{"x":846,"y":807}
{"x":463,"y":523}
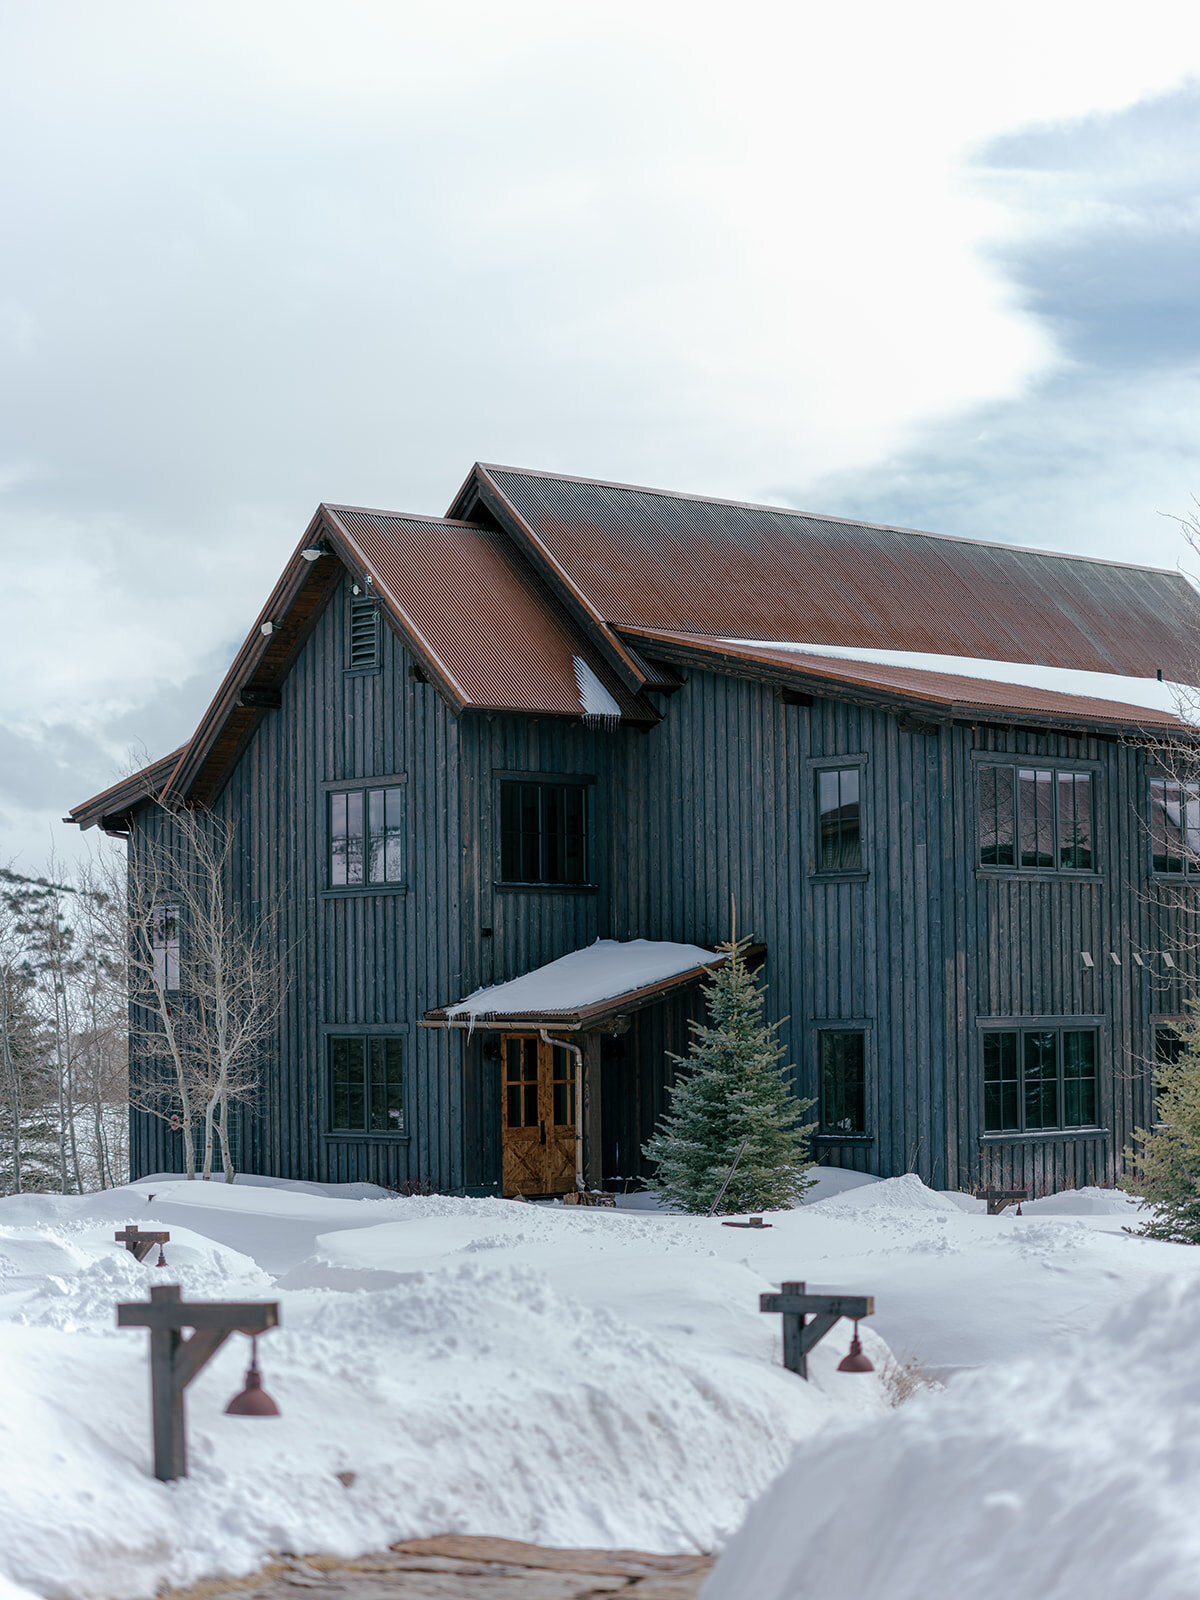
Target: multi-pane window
{"x":543,"y":832}
{"x":1175,"y":826}
{"x":164,"y":946}
{"x":366,"y":1084}
{"x":366,"y":837}
{"x":1169,"y":1046}
{"x":839,"y":820}
{"x":362,"y":634}
{"x":1039,"y":817}
{"x":1038,"y":1078}
{"x":843,"y":1081}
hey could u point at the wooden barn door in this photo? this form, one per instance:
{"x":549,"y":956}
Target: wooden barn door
{"x":538,"y":1111}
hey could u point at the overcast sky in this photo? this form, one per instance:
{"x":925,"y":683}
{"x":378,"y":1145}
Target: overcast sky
{"x":932,"y":263}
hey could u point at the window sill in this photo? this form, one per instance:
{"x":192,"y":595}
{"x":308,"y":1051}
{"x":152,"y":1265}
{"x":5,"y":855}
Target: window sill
{"x":859,"y":876}
{"x":544,"y":888}
{"x":843,"y":1138}
{"x":365,"y":1138}
{"x":1044,"y":1136}
{"x":352,"y":891}
{"x":1039,"y":875}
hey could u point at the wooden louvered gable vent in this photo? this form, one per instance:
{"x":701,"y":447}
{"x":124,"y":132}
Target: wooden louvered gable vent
{"x":364,"y":632}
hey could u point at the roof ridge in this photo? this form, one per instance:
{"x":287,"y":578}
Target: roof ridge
{"x":405,"y":516}
{"x":824,"y":516}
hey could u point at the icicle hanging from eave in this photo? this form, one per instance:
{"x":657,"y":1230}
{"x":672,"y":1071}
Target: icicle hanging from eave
{"x":600,"y":710}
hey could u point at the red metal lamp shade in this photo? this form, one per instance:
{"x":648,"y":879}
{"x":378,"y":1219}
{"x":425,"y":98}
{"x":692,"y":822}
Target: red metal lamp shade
{"x":855,"y":1361}
{"x":254,"y":1401}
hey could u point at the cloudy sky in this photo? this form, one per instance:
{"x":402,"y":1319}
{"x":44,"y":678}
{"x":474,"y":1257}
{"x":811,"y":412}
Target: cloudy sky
{"x":936,"y":264}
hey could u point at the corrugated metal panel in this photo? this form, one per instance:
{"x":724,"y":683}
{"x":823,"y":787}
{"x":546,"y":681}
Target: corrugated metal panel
{"x":953,"y":694}
{"x":644,"y":558}
{"x":483,"y":615}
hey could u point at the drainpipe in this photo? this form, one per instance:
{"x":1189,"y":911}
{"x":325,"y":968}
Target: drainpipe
{"x":578,"y":1054}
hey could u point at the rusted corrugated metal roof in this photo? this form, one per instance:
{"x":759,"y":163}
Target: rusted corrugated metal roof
{"x":946,"y":693}
{"x":647,"y":559}
{"x":483,"y":617}
{"x":114,"y":802}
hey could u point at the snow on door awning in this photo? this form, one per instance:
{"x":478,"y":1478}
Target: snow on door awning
{"x":585,"y":988}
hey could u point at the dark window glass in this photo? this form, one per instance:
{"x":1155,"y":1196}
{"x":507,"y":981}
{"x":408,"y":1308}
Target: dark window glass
{"x":839,"y":825}
{"x":564,"y":1088}
{"x":366,"y":837}
{"x":363,"y":649}
{"x":543,"y":832}
{"x":366,"y":1084}
{"x":843,"y":1081}
{"x":1029,"y":1074}
{"x":1001,"y":1082}
{"x":1035,"y":817}
{"x":521,"y":1082}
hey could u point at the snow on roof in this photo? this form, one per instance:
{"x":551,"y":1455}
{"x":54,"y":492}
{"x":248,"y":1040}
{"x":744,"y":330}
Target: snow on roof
{"x":601,"y":971}
{"x":1177,"y":699}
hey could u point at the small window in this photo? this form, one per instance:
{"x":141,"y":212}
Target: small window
{"x":543,"y":832}
{"x":363,"y":633}
{"x":563,"y":1086}
{"x":839,"y":820}
{"x":521,"y":1081}
{"x":1175,"y":826}
{"x":366,"y":1084}
{"x":164,"y":947}
{"x":1037,"y":818}
{"x":366,"y":837}
{"x":1039,"y":1078}
{"x":843,"y":1081}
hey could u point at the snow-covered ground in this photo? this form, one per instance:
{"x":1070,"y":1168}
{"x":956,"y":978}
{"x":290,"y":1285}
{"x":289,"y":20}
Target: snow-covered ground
{"x":576,"y":1376}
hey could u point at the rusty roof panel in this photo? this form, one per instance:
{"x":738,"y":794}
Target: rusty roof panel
{"x":941,"y":691}
{"x":647,"y":559}
{"x":481,"y":614}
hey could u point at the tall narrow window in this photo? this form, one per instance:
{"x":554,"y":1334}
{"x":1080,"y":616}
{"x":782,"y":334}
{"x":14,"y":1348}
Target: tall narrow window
{"x":164,"y":946}
{"x":1174,"y":826}
{"x":363,"y":633}
{"x":839,"y":820}
{"x":843,"y":1081}
{"x":1039,"y":1079}
{"x":543,"y":832}
{"x":366,"y":837}
{"x":1038,"y":818}
{"x":366,"y":1084}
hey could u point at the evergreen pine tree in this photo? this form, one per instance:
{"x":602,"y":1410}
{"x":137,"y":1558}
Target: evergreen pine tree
{"x":1167,"y":1166}
{"x":732,"y":1088}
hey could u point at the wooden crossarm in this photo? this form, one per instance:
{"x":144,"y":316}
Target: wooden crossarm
{"x":834,"y":1305}
{"x":255,"y":1316}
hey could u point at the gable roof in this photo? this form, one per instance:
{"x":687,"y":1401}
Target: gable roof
{"x":646,"y":559}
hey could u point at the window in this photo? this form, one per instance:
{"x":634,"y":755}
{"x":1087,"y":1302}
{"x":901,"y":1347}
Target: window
{"x":1035,"y":817}
{"x":366,"y":1084}
{"x":1175,"y":826}
{"x":366,"y":837}
{"x":164,"y":946}
{"x":1039,"y":1078}
{"x":543,"y":832}
{"x":839,"y":827}
{"x":843,"y":1081}
{"x":363,"y":633}
{"x":1169,"y":1045}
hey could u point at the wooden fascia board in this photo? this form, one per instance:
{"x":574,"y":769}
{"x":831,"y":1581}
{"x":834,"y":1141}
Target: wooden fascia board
{"x":119,"y":799}
{"x":714,"y":659}
{"x":414,"y":640}
{"x":574,"y":602}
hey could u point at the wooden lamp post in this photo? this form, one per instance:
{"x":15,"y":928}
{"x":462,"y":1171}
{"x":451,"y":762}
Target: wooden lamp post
{"x":800,"y":1336}
{"x":140,"y":1244}
{"x":175,"y":1361}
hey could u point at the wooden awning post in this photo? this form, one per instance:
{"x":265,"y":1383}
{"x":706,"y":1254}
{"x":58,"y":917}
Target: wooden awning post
{"x":796,"y":1306}
{"x":175,"y":1361}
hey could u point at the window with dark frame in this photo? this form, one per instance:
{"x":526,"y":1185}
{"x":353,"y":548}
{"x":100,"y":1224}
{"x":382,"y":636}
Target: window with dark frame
{"x":164,"y":947}
{"x":839,"y":819}
{"x":1175,"y":827}
{"x":1036,"y":1079}
{"x":362,"y":649}
{"x":1036,"y":818}
{"x":366,"y":1083}
{"x":1169,"y":1045}
{"x":543,"y":832}
{"x":843,"y":1054}
{"x":366,"y":837}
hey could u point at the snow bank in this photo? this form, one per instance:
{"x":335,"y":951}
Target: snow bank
{"x":1074,"y":1474}
{"x":601,"y":971}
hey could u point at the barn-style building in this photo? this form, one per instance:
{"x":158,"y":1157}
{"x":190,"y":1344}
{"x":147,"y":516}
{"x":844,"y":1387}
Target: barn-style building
{"x":456,"y":750}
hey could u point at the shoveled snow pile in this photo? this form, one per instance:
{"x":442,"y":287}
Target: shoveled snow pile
{"x":601,"y":971}
{"x":1075,"y":1473}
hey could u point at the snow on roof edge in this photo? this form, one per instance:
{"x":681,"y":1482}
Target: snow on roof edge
{"x":605,"y":970}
